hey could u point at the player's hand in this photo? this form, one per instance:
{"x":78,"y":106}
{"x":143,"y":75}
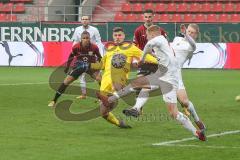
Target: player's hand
{"x":83,"y":65}
{"x":66,"y":70}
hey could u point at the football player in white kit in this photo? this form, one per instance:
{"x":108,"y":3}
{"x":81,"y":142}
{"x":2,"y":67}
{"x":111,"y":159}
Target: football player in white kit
{"x":183,"y":46}
{"x":166,"y":78}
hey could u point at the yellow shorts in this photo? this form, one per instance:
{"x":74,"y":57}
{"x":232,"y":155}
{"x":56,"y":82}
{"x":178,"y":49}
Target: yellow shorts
{"x":107,"y":86}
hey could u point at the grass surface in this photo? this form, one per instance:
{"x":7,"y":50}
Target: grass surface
{"x":31,"y":130}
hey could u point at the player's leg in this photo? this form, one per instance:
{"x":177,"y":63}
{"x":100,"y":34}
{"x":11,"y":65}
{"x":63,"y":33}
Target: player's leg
{"x":67,"y":81}
{"x":184,"y":101}
{"x":170,"y":99}
{"x":142,"y":94}
{"x":72,"y":76}
{"x":83,"y":86}
{"x":105,"y":111}
{"x":140,"y":82}
{"x":136,"y":110}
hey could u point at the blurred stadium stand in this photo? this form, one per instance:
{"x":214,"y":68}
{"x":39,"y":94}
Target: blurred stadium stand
{"x":120,"y":10}
{"x":184,"y":10}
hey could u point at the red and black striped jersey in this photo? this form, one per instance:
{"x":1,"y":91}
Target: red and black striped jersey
{"x":88,"y":54}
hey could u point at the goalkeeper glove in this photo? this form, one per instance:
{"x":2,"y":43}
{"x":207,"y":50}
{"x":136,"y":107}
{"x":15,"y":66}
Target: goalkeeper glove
{"x":85,"y":66}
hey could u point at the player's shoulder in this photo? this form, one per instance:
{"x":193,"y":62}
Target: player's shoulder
{"x":94,"y":46}
{"x":75,"y":46}
{"x":140,"y":28}
{"x":78,"y":28}
{"x":157,"y":38}
{"x":93,"y":28}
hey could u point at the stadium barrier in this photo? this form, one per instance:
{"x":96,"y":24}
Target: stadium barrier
{"x":49,"y":44}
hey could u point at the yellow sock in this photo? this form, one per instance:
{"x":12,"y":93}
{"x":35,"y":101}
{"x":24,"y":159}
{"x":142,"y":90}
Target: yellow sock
{"x":112,"y":119}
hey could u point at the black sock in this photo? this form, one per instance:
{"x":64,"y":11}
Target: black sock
{"x":59,"y":92}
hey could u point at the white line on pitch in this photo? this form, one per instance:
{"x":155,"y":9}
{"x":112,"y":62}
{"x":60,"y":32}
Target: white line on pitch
{"x":30,"y":83}
{"x":19,"y":84}
{"x":200,"y":146}
{"x":192,"y":138}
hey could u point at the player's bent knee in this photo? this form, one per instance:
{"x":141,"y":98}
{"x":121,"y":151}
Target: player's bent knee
{"x":184,"y":102}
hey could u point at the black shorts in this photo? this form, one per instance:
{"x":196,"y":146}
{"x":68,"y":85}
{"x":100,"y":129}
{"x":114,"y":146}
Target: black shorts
{"x":147,"y":68}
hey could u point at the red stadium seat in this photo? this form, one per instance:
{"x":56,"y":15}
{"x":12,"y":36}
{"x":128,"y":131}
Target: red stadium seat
{"x":217,"y":7}
{"x":149,"y":6}
{"x":235,"y":17}
{"x":126,"y":7}
{"x":237,"y":7}
{"x":171,"y":7}
{"x":119,"y":17}
{"x":211,"y":18}
{"x":2,"y":17}
{"x":229,"y":7}
{"x":131,"y":18}
{"x":141,"y":17}
{"x":183,"y":7}
{"x":206,"y":7}
{"x":194,"y":7}
{"x":176,"y":18}
{"x":8,"y":7}
{"x":137,"y":7}
{"x":200,"y":18}
{"x":188,"y":18}
{"x":160,"y":7}
{"x":156,"y":18}
{"x":19,"y":7}
{"x":223,"y":18}
{"x":11,"y":18}
{"x":164,"y":17}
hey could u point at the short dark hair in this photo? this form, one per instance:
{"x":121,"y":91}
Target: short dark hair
{"x":118,"y":29}
{"x":85,"y":33}
{"x":148,"y":11}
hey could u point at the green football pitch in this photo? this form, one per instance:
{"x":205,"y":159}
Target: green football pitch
{"x":29,"y":129}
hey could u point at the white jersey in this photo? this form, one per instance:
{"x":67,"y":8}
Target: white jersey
{"x":161,"y":50}
{"x":167,"y":82}
{"x":183,"y":49}
{"x":94,"y":36}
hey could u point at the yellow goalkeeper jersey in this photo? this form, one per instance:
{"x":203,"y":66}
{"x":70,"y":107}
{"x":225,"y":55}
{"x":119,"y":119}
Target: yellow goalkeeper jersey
{"x":117,"y":61}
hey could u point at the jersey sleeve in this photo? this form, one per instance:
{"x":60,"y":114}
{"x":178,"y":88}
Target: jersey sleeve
{"x":97,"y":53}
{"x":136,"y":38}
{"x":136,"y":53}
{"x":74,"y":50}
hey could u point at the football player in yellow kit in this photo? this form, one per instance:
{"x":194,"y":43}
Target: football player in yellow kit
{"x":116,"y":64}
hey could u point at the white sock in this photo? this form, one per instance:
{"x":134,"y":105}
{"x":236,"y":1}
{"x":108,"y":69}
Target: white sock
{"x":141,"y":99}
{"x":83,"y":83}
{"x":193,"y":111}
{"x":121,"y":93}
{"x":185,"y":121}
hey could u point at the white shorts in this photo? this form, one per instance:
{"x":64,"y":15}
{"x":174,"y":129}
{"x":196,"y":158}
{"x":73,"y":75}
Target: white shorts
{"x":180,"y":81}
{"x":167,"y":82}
